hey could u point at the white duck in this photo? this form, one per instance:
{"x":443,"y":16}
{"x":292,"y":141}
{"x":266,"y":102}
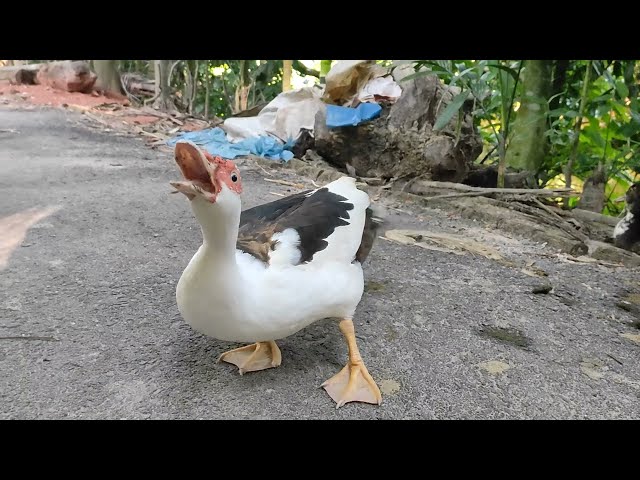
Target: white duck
{"x":268,"y":272}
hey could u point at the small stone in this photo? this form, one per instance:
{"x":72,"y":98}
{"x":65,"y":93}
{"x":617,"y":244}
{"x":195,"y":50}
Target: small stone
{"x":631,"y":336}
{"x":494,"y":367}
{"x":593,"y":368}
{"x":389,"y":387}
{"x":542,"y":288}
{"x":372,"y":286}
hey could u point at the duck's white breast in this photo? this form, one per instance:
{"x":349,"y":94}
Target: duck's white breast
{"x":256,"y":303}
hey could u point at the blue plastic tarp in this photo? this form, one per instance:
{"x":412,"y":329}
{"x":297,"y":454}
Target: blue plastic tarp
{"x":214,"y":141}
{"x":347,"y":116}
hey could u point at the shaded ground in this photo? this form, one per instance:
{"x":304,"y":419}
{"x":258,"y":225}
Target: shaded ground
{"x":446,"y":336}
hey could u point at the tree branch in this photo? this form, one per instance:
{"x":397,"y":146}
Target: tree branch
{"x":578,"y":126}
{"x":299,"y":66}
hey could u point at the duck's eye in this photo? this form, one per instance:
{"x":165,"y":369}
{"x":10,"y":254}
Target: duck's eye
{"x":234,"y":178}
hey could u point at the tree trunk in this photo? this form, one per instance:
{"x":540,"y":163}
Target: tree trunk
{"x":559,"y":79}
{"x":300,"y":67}
{"x":164,"y":101}
{"x":207,"y":78}
{"x":108,"y":76}
{"x":287,"y":65}
{"x":194,"y":93}
{"x":242,"y":90}
{"x":592,"y":198}
{"x":156,"y":75}
{"x":577,"y":127}
{"x":190,"y":84}
{"x":528,"y":145}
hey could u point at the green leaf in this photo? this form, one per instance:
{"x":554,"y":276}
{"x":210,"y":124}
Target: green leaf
{"x":446,"y":65}
{"x":622,"y":89}
{"x":464,"y":72}
{"x":510,"y":71}
{"x":608,"y":77}
{"x":436,"y":66}
{"x":557,"y":112}
{"x":448,"y":113}
{"x":594,"y":134}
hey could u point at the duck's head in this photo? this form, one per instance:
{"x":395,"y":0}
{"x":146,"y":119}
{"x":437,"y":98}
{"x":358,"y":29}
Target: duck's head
{"x":631,"y":198}
{"x":211,"y":183}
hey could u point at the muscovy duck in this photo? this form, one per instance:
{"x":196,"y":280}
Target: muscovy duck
{"x":267,"y":272}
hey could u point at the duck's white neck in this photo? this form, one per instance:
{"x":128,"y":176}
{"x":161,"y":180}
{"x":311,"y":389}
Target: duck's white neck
{"x":219,"y":224}
{"x":211,"y":287}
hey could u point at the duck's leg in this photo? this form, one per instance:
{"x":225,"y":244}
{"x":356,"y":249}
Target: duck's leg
{"x":254,"y":357}
{"x":353,"y":383}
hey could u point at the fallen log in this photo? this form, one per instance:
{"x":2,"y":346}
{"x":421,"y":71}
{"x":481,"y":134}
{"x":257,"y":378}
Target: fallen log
{"x":595,"y":225}
{"x":488,"y":177}
{"x":611,"y":253}
{"x":545,"y":215}
{"x":432,"y":190}
{"x":588,"y":216}
{"x":20,"y":74}
{"x":70,"y":76}
{"x":497,"y":214}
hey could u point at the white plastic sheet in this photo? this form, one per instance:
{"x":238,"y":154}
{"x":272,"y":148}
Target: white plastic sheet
{"x":283,"y":117}
{"x":348,"y":83}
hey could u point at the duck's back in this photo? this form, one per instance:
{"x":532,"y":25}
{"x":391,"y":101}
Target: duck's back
{"x":314,"y":226}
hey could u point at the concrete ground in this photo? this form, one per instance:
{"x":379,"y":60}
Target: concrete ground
{"x":94,"y":245}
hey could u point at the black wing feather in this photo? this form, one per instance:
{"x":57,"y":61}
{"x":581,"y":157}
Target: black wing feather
{"x":314,"y":217}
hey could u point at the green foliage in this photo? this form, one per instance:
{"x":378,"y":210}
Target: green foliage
{"x":491,"y":84}
{"x":224,"y":77}
{"x":490,"y":91}
{"x":610,"y":130}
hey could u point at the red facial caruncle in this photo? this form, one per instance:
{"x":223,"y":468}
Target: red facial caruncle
{"x":204,"y":173}
{"x":225,"y":173}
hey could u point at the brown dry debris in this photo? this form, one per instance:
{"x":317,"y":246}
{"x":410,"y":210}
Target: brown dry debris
{"x":112,"y":113}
